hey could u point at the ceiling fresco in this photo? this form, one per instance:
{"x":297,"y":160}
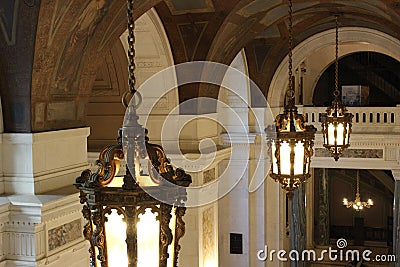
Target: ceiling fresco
{"x":69,"y":40}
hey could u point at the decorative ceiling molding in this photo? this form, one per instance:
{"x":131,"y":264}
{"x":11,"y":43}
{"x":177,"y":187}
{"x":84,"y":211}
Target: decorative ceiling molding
{"x":179,"y":7}
{"x":60,"y":9}
{"x":8,"y":20}
{"x":191,"y":34}
{"x":261,"y":52}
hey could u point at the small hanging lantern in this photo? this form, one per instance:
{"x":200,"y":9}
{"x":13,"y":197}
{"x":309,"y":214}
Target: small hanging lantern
{"x":291,"y":139}
{"x":336,"y":122}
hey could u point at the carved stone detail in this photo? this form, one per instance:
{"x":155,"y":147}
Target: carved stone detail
{"x":209,"y":175}
{"x":321,"y":175}
{"x":352,"y":153}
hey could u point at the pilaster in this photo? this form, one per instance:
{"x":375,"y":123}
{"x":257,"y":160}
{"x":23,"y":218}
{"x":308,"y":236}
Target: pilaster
{"x":396,"y":216}
{"x":298,"y":224}
{"x":42,"y":230}
{"x":233,"y":207}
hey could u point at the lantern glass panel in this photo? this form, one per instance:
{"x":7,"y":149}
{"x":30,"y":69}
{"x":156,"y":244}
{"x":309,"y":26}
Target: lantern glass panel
{"x":118,"y":181}
{"x":331,"y":134}
{"x":298,"y":158}
{"x":148,"y":231}
{"x":115,"y":229}
{"x":340,"y":134}
{"x":171,"y":248}
{"x":145,"y":173}
{"x":274,"y":160}
{"x":285,"y":158}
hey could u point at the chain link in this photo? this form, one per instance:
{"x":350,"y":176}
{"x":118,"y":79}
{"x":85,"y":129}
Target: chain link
{"x":358,"y":181}
{"x":336,"y":92}
{"x":131,"y":92}
{"x":290,"y":94}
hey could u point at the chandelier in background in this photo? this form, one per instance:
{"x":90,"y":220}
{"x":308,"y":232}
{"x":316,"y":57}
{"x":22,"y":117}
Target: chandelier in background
{"x":357,"y":204}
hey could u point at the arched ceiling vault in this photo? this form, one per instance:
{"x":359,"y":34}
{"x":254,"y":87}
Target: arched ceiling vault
{"x":261,"y":27}
{"x":72,"y":36}
{"x":71,"y":39}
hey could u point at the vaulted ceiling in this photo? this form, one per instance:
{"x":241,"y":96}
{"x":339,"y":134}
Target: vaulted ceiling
{"x":50,"y":49}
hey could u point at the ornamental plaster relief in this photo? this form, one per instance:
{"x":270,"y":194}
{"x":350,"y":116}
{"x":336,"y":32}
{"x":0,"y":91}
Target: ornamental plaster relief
{"x":30,"y":232}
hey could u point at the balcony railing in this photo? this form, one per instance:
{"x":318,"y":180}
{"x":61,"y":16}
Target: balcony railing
{"x":366,"y":119}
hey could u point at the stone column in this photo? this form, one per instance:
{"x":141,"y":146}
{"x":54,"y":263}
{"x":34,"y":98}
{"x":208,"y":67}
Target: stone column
{"x":233,"y":208}
{"x":257,"y":175}
{"x":396,"y":217}
{"x":234,"y":219}
{"x":298,"y":224}
{"x":274,"y":227}
{"x":323,"y":206}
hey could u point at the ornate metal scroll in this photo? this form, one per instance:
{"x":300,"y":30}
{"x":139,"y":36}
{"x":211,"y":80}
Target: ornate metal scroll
{"x":98,"y":236}
{"x":179,"y":232}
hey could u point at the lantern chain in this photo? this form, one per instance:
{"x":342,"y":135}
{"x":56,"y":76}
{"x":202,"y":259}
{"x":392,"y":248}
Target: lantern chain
{"x":131,"y":92}
{"x":336,"y":92}
{"x":358,"y":182}
{"x":290,"y":93}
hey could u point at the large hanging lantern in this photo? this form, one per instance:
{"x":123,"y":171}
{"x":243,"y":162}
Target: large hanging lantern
{"x":336,"y":122}
{"x":291,"y":139}
{"x":127,"y":225}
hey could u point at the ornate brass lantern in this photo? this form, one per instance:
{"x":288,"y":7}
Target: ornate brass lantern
{"x":291,"y":139}
{"x":336,"y":122}
{"x":127,"y":223}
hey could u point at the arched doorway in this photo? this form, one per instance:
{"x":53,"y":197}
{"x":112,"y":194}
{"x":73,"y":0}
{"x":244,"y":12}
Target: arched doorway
{"x":379,"y":72}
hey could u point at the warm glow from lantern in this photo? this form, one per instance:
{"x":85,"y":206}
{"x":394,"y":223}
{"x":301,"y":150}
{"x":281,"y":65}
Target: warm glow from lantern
{"x":340,"y":133}
{"x":274,"y":162}
{"x":331,"y":134}
{"x":118,"y":181}
{"x":298,"y":158}
{"x":172,"y":225}
{"x":148,"y":229}
{"x":210,"y":262}
{"x":144,"y":180}
{"x":285,"y":158}
{"x":116,"y":234}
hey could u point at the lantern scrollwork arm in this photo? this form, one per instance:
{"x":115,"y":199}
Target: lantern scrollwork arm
{"x":107,"y":167}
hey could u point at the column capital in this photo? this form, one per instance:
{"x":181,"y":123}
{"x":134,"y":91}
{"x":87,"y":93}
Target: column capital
{"x":396,"y":174}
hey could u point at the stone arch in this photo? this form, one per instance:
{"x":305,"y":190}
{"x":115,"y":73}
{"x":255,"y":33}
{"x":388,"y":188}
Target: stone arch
{"x":239,"y":102}
{"x":321,"y":47}
{"x":153,"y":54}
